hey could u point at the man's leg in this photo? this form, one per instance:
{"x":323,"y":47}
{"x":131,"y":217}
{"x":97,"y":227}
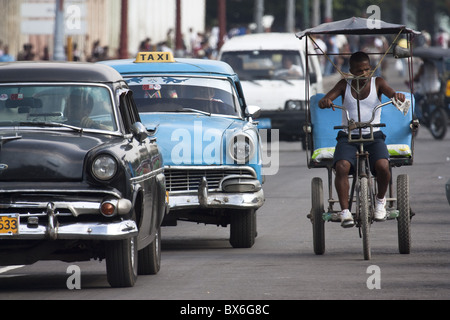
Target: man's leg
{"x":383,"y":178}
{"x":341,"y":182}
{"x":342,"y":187}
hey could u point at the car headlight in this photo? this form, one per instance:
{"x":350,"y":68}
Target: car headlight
{"x":104,"y":167}
{"x":241,"y":148}
{"x":295,"y":105}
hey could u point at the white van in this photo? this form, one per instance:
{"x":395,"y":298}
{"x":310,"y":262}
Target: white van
{"x":271,"y":67}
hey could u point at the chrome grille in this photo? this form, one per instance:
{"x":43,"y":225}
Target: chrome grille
{"x":189,"y":179}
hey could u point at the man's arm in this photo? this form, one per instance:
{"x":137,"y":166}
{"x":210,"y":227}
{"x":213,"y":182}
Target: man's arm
{"x":384,"y":88}
{"x":338,"y":90}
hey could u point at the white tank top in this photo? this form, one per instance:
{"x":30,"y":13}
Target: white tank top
{"x":366,"y":107}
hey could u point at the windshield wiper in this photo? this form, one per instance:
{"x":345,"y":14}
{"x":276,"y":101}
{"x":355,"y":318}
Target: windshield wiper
{"x":195,"y":111}
{"x":51,"y":124}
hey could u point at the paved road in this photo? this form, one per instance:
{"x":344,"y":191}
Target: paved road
{"x":199,"y":264}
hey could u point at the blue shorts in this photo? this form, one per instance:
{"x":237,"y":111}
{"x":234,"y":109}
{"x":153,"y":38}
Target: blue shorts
{"x":347,"y":151}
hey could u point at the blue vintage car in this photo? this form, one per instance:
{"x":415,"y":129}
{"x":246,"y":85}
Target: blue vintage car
{"x":210,"y":144}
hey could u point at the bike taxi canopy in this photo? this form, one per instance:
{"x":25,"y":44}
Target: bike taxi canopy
{"x":357,"y":26}
{"x":362,"y":26}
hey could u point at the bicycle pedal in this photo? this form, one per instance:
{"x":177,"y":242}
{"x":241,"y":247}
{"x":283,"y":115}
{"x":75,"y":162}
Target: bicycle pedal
{"x":348,"y":224}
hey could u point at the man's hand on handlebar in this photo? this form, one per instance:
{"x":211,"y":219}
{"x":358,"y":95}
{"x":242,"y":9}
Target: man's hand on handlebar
{"x":399,"y":96}
{"x":326,"y":104}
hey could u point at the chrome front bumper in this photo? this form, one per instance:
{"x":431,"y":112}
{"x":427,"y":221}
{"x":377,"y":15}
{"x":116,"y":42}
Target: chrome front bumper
{"x":46,"y":226}
{"x":78,"y":231}
{"x":215,"y":200}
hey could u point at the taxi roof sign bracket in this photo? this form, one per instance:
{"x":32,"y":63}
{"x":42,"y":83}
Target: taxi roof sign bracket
{"x":154,"y":57}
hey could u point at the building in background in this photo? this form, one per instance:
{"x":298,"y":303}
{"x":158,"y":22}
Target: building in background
{"x":93,"y":26}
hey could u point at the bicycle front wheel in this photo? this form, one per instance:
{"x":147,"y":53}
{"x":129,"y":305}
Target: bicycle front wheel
{"x":365,"y":216}
{"x":317,"y":216}
{"x":404,"y":218}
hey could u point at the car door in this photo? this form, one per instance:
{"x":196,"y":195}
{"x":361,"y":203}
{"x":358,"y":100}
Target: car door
{"x":141,"y":160}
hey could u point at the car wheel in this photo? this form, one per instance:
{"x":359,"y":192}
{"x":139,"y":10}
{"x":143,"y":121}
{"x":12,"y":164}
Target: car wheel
{"x":243,"y":228}
{"x":121,"y":262}
{"x":149,"y":258}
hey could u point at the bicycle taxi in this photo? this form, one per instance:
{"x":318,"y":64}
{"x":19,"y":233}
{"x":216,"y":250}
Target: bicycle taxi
{"x":432,"y":87}
{"x":321,"y":131}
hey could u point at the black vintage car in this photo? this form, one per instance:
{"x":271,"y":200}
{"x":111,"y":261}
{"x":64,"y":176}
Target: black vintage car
{"x":80,"y":176}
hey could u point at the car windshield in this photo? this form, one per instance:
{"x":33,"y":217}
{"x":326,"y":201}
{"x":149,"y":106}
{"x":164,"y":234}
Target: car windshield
{"x":80,"y":106}
{"x":185,"y":94}
{"x":265,"y":64}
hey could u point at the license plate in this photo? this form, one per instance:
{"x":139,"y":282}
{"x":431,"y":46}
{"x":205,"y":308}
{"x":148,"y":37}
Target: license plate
{"x":9,"y":225}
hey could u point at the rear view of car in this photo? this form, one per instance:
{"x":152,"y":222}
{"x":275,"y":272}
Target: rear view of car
{"x":272,"y":69}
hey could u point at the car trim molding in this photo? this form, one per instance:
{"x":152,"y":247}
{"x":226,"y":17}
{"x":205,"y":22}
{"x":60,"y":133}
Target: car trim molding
{"x":147,"y":176}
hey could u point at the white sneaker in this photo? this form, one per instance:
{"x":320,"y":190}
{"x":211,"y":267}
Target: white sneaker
{"x":380,"y":210}
{"x":346,"y":219}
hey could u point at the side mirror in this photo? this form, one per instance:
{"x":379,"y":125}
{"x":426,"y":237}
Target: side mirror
{"x":253,"y":111}
{"x":139,"y":131}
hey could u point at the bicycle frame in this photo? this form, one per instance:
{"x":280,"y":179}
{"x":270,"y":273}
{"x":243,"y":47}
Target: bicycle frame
{"x":362,"y":169}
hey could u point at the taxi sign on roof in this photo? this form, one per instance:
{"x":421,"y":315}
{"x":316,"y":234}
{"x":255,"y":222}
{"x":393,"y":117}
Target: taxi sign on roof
{"x":154,"y":57}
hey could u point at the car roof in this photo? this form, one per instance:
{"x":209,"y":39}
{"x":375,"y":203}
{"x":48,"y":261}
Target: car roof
{"x":180,"y":66}
{"x":57,"y":72}
{"x":263,"y":41}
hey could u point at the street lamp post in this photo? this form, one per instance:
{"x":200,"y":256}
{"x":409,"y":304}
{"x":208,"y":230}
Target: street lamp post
{"x":179,"y":52}
{"x":58,"y":53}
{"x":259,"y":13}
{"x":123,"y":51}
{"x":290,"y":15}
{"x":222,"y":22}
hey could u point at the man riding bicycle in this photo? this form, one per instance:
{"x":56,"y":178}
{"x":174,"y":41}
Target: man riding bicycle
{"x":368,"y":90}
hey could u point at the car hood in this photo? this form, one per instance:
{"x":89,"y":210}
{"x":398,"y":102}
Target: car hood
{"x":190,"y":139}
{"x":273,"y":94}
{"x":44,"y":156}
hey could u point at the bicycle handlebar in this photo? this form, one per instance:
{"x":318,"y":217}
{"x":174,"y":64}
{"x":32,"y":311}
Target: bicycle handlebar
{"x":352,"y":124}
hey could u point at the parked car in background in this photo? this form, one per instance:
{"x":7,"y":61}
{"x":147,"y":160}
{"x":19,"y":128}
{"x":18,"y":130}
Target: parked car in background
{"x":210,"y":143}
{"x":272,"y":68}
{"x":80,"y":176}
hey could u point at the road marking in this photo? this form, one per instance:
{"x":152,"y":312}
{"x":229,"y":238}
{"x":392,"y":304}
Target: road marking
{"x":6,"y":269}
